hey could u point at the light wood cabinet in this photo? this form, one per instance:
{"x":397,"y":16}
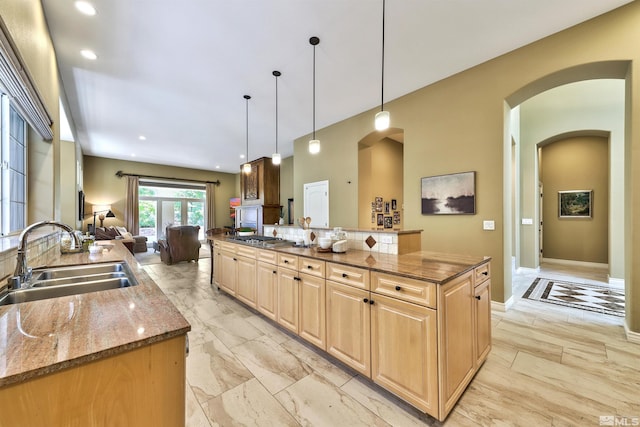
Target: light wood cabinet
{"x":217,"y":263}
{"x":143,"y":387}
{"x":482,"y":317}
{"x":267,"y":284}
{"x":228,"y":272}
{"x":349,"y":326}
{"x":404,"y":357}
{"x":312,"y":325}
{"x":456,"y":343}
{"x":237,"y":275}
{"x":288,"y":294}
{"x":246,"y":280}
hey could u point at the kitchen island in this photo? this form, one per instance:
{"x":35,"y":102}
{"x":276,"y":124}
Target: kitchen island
{"x":418,"y":324}
{"x":114,"y":357}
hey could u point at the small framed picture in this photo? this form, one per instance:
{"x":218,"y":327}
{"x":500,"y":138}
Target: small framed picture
{"x":396,"y":218}
{"x":394,"y":205}
{"x":380,"y":219}
{"x":575,"y":203}
{"x":378,"y":204}
{"x":373,"y":217}
{"x":388,"y":222}
{"x":387,"y":209}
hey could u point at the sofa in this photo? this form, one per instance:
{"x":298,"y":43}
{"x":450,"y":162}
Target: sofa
{"x":135,"y":244}
{"x":180,"y":244}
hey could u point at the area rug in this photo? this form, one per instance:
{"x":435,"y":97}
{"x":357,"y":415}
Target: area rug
{"x":596,"y":298}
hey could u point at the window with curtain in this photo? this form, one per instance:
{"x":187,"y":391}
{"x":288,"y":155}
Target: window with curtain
{"x":161,"y":204}
{"x":13,"y":158}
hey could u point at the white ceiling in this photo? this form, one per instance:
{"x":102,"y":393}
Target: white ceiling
{"x":176,"y":71}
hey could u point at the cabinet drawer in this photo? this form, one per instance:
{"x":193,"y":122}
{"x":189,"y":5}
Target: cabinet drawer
{"x":270,"y":257}
{"x":217,"y":244}
{"x":353,"y":276}
{"x":226,"y":246}
{"x":246,"y":251}
{"x":404,"y":288}
{"x":312,"y":267}
{"x":288,"y":261}
{"x":482,"y":273}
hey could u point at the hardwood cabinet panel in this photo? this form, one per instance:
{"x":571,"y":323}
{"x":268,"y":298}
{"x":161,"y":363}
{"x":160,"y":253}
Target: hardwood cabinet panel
{"x":482,"y":273}
{"x":353,"y":276}
{"x":228,"y":272}
{"x":482,"y":294}
{"x":246,"y":280}
{"x":288,"y":261}
{"x":456,"y":346}
{"x":348,"y":326}
{"x":404,"y":288}
{"x":404,"y":356}
{"x":288,"y":299}
{"x":312,"y":309}
{"x":267,"y":290}
{"x":313,"y":267}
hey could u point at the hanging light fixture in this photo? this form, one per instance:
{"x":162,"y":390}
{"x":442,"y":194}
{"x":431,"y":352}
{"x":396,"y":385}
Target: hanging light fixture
{"x":276,"y":158}
{"x":246,"y":168}
{"x":314,"y":144}
{"x":382,"y":117}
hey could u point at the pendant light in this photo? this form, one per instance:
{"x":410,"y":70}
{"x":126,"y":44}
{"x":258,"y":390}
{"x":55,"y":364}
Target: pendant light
{"x":276,"y":158}
{"x":382,"y":117}
{"x":314,"y":144}
{"x":246,"y":168}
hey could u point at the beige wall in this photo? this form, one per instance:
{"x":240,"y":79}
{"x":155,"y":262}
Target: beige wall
{"x":580,"y":163}
{"x":459,"y":123}
{"x":380,"y":173}
{"x":102,"y":186}
{"x":286,"y":185}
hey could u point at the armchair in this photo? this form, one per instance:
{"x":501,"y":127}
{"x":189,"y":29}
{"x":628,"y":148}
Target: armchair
{"x":181,"y":244}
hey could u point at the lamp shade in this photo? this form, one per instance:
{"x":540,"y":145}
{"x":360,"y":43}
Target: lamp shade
{"x":314,"y":146}
{"x":101,"y":208}
{"x":382,"y":120}
{"x":276,"y":158}
{"x":246,"y":168}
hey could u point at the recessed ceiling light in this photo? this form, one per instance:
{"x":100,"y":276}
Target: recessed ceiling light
{"x":217,"y":166}
{"x":89,"y":54}
{"x":133,"y":154}
{"x":85,"y":7}
{"x":242,"y":156}
{"x":142,"y":138}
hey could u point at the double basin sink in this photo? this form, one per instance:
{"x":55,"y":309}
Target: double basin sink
{"x":73,"y":280}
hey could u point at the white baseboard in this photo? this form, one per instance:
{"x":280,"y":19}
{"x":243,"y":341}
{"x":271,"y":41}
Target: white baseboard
{"x":575,"y":263}
{"x":616,"y":283}
{"x":633,"y":337}
{"x":528,"y":270}
{"x":502,"y":306}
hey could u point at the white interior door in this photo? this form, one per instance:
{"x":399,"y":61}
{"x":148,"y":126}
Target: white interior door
{"x":316,"y":203}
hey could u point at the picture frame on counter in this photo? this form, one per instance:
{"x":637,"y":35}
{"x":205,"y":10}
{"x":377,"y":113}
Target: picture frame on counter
{"x":451,"y":194}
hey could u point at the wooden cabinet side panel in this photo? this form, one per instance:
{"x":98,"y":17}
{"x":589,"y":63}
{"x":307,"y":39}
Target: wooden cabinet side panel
{"x":267,"y":290}
{"x":483,"y":321}
{"x":456,"y":339}
{"x":217,"y":266}
{"x":404,"y":351}
{"x":312,"y":310}
{"x":288,"y":299}
{"x":246,"y":281}
{"x":228,"y":272}
{"x":349,"y":326}
{"x":144,"y":387}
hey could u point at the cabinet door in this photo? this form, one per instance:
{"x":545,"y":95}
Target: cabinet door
{"x":246,"y":281}
{"x":456,"y":345}
{"x":312,"y":309}
{"x":348,"y":326}
{"x":404,"y":352}
{"x":482,"y":302}
{"x":288,"y":299}
{"x":217,"y":266}
{"x":267,"y":289}
{"x":228,"y":272}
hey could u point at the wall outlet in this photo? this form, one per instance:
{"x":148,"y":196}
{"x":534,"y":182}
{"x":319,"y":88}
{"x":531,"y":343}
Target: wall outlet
{"x":489,"y":225}
{"x":527,"y":221}
{"x":385,"y":238}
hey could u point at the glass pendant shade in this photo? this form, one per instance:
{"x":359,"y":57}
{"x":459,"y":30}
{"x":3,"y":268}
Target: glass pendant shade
{"x":246,"y":168}
{"x":314,"y":146}
{"x":382,"y":120}
{"x":276,"y":158}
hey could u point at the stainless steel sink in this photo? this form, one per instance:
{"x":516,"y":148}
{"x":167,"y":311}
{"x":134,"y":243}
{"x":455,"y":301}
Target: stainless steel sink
{"x":64,"y":281}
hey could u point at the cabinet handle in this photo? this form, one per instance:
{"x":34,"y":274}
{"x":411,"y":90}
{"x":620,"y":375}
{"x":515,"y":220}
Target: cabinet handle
{"x":486,"y":273}
{"x":478,"y":297}
{"x":309,"y":267}
{"x":365,"y":300}
{"x":286,"y":261}
{"x":398,"y":288}
{"x":297,"y":278}
{"x":371,"y":302}
{"x":275,"y":272}
{"x":344,"y":275}
{"x":235,"y":259}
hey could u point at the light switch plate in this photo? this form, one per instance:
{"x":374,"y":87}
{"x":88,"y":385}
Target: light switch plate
{"x":489,"y":225}
{"x":527,"y":221}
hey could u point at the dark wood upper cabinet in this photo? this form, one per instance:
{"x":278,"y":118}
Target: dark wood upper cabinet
{"x":262,"y":185}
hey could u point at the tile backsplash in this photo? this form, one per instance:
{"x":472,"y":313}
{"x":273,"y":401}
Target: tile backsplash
{"x":39,"y":247}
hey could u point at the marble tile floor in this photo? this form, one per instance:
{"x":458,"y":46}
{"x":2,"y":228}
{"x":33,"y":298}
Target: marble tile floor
{"x":549,"y":366}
